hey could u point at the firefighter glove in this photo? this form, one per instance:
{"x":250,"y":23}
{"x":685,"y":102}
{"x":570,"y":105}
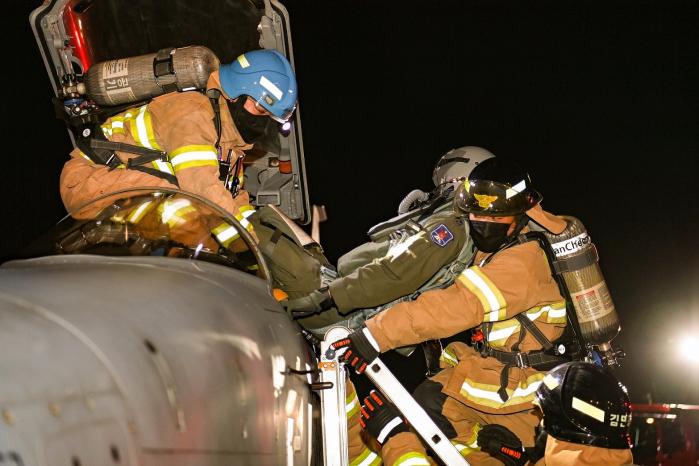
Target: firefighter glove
{"x":314,"y":302}
{"x":361,"y":348}
{"x":500,"y":443}
{"x":380,"y":417}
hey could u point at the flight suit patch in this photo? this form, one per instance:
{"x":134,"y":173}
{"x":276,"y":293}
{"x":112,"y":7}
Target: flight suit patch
{"x":441,"y":235}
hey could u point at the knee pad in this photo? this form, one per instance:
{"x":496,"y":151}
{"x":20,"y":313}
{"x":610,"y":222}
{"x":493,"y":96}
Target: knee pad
{"x":430,"y":397}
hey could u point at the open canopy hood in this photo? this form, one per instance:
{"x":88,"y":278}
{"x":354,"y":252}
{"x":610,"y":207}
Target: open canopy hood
{"x":73,"y":35}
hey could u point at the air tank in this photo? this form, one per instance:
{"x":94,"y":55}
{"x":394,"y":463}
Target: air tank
{"x":578,"y":264}
{"x":132,"y":79}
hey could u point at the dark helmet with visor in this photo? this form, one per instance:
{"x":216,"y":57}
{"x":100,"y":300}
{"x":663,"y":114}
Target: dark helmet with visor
{"x":497,"y":187}
{"x":584,"y":403}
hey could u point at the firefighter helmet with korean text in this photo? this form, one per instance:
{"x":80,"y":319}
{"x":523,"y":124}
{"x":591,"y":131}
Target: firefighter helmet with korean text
{"x":584,"y":403}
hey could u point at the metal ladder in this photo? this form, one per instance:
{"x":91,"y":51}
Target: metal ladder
{"x":333,"y":407}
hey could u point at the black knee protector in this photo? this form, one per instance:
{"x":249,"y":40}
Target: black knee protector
{"x":429,"y":395}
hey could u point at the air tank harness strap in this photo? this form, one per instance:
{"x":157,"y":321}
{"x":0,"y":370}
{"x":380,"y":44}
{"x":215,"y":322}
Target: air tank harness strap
{"x":578,"y":262}
{"x":214,"y":95}
{"x":103,"y":152}
{"x":164,"y":70}
{"x":534,"y":359}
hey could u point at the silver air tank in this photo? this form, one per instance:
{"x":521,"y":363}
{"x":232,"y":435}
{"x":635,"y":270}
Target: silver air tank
{"x":126,"y":80}
{"x":578,"y":263}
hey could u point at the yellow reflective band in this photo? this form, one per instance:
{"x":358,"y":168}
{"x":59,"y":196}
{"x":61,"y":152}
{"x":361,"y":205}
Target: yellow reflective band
{"x":164,"y":167}
{"x":82,"y":154}
{"x":351,"y":405}
{"x":448,"y":358}
{"x":534,"y":313}
{"x":133,"y":126}
{"x":193,"y":156}
{"x":137,"y":214}
{"x":242,"y":217}
{"x":117,"y":125}
{"x":173,"y":212}
{"x":504,"y":329}
{"x":472,"y":442}
{"x":494,"y":305}
{"x":246,"y":210}
{"x":367,"y":458}
{"x":556,"y":313}
{"x":226,"y":233}
{"x":142,"y":129}
{"x":244,"y":223}
{"x":501,"y":331}
{"x":464,"y":450}
{"x":487,"y":395}
{"x":586,"y":408}
{"x":412,"y":459}
{"x":244,"y":63}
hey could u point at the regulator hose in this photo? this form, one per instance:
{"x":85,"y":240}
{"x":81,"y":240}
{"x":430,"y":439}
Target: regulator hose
{"x":415,"y":196}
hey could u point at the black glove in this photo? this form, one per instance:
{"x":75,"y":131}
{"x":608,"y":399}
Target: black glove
{"x":361,"y":349}
{"x":502,"y":444}
{"x":380,"y":417}
{"x":312,"y":303}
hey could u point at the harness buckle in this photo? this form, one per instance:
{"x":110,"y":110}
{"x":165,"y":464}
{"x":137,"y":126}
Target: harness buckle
{"x":109,"y":161}
{"x":519,"y":360}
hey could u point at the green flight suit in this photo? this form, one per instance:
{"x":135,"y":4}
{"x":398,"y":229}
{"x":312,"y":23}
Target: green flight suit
{"x":295,"y":268}
{"x":379,"y":273}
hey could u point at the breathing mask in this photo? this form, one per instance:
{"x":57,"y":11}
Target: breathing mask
{"x":251,"y":127}
{"x":488,"y":236}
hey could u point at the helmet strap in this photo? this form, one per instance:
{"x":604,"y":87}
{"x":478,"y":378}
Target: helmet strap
{"x":520,"y":222}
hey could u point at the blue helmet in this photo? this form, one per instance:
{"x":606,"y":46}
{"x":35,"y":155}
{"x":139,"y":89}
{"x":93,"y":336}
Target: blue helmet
{"x":267,"y":77}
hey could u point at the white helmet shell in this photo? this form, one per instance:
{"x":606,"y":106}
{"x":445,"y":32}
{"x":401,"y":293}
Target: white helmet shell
{"x":456,"y":165}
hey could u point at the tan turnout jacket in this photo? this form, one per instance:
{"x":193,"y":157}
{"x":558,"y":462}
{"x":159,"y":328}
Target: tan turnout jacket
{"x":516,"y":280}
{"x":179,"y":123}
{"x":561,"y":453}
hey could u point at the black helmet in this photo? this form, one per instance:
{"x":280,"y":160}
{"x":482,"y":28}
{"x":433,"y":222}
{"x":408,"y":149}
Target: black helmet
{"x":584,"y":403}
{"x":497,"y":187}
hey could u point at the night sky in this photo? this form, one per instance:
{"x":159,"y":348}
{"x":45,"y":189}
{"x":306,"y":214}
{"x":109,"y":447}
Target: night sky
{"x":599,"y":100}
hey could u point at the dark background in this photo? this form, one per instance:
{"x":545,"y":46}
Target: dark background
{"x":599,"y":100}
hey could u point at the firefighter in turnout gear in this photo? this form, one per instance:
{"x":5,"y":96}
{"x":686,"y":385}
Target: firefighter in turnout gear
{"x":421,"y":249}
{"x":177,"y":139}
{"x":587,"y":416}
{"x":509,"y":294}
{"x":586,"y":421}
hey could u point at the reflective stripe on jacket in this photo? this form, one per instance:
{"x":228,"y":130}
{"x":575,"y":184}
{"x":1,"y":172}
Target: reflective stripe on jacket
{"x":405,"y":449}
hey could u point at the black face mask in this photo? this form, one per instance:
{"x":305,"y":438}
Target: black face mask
{"x":488,"y":236}
{"x":251,"y":127}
